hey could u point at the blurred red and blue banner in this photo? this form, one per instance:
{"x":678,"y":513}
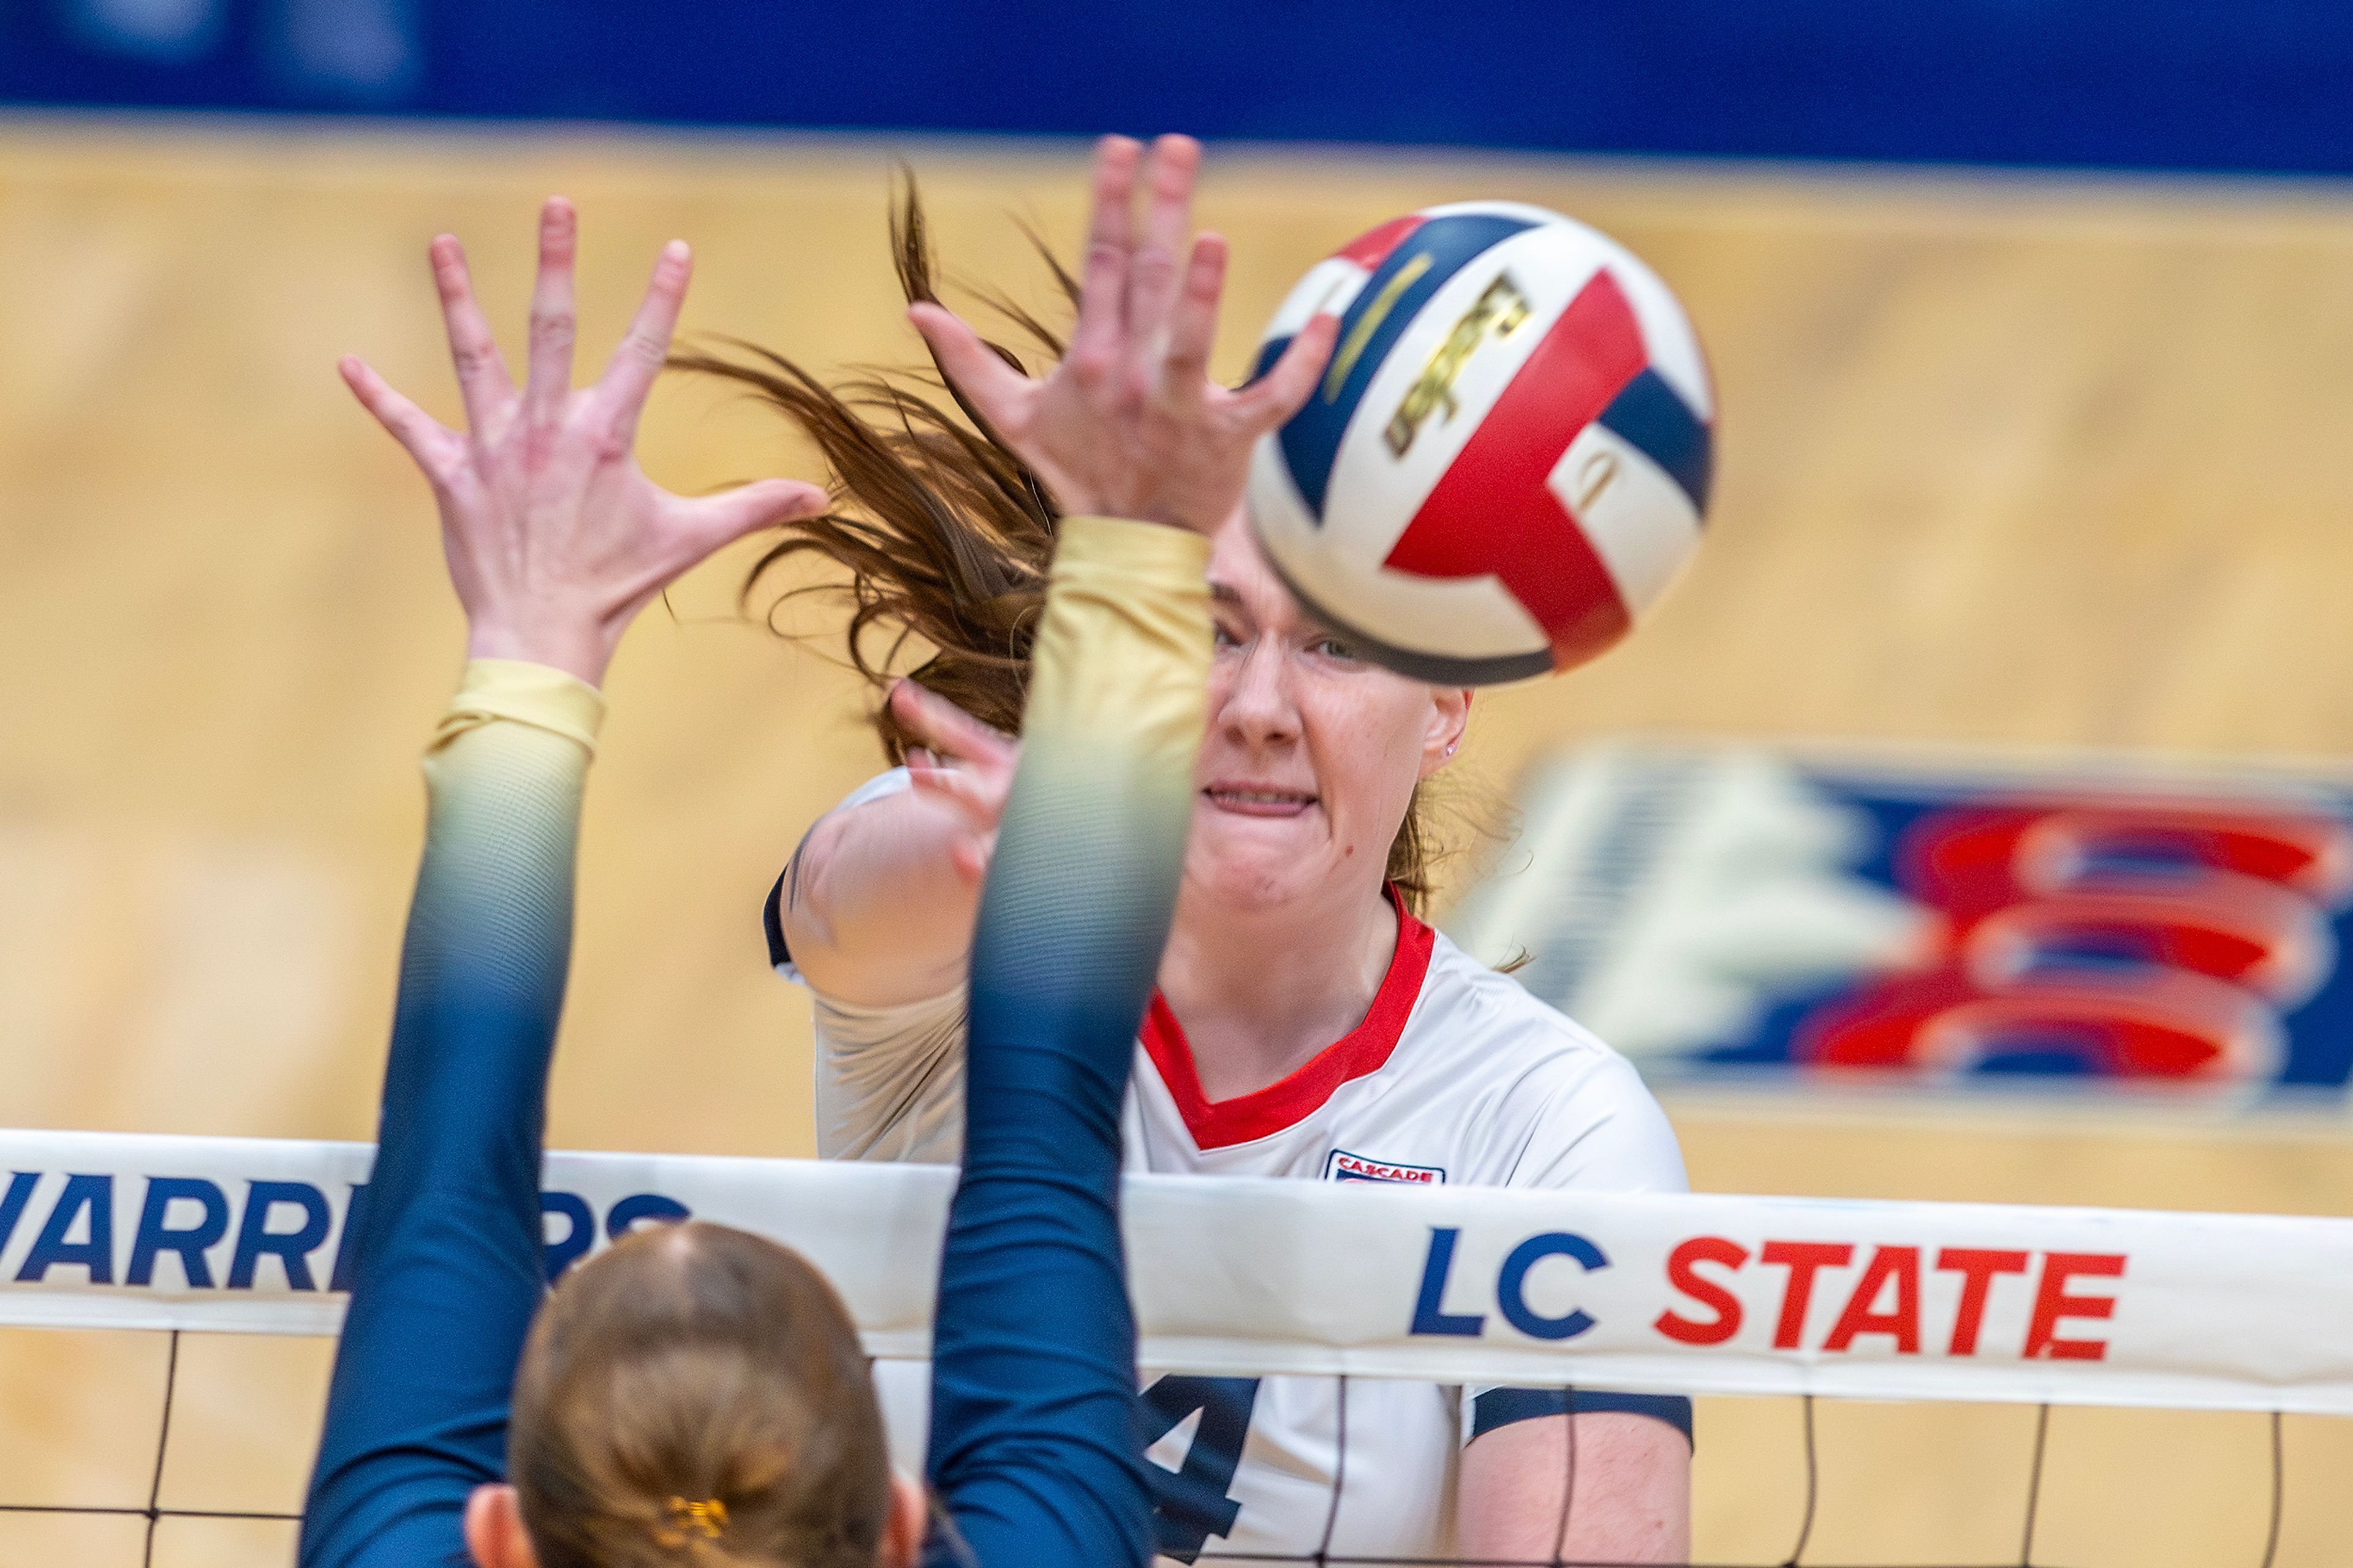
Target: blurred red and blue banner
{"x":1739,"y":916}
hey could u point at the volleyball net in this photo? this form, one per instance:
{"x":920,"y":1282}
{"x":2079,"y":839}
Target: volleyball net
{"x":1988,"y":1305}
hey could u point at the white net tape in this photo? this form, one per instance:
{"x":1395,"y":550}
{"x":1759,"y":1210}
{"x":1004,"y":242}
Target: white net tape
{"x":1674,"y":1294}
{"x":1234,"y":1280}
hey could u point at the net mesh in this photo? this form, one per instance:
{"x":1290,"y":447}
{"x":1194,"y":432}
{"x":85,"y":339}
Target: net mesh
{"x":163,"y":1523}
{"x":1796,"y":1557}
{"x":154,"y":1510}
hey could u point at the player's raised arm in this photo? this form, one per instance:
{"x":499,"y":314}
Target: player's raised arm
{"x":1034,"y":1449}
{"x":554,"y":539}
{"x":877,"y":907}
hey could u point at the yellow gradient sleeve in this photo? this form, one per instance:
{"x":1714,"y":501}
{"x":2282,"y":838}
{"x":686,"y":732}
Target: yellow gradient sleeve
{"x":1033,"y":1450}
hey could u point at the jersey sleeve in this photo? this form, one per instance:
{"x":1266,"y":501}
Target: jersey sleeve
{"x":1034,"y":1452}
{"x":1599,"y":1130}
{"x":889,"y":1080}
{"x":447,"y":1265}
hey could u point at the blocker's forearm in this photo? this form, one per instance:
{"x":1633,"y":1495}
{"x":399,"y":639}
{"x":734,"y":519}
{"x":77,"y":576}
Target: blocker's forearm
{"x":447,"y":1265}
{"x":1034,"y":1446}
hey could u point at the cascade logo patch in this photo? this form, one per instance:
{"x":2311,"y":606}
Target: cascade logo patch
{"x":1342,"y":1166}
{"x":2103,"y":925}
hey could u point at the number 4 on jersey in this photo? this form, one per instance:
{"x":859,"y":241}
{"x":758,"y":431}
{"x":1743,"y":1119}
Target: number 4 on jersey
{"x":1192,"y":1504}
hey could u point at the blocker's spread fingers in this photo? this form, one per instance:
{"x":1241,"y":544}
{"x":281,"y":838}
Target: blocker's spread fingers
{"x":644,"y":348}
{"x":1193,"y":329}
{"x":425,"y":439}
{"x":992,"y":386}
{"x":1286,"y":387}
{"x":1095,"y":341}
{"x":484,"y":383}
{"x":1154,"y":271}
{"x":553,"y":323}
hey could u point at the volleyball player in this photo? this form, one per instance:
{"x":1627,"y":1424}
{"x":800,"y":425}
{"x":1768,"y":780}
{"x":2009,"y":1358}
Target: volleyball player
{"x":1307,"y":1023}
{"x":697,"y":1394}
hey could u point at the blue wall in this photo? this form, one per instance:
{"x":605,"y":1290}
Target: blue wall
{"x":2242,"y":84}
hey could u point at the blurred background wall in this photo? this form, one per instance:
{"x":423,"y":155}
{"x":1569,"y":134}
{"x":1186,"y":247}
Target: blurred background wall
{"x":2159,"y":84}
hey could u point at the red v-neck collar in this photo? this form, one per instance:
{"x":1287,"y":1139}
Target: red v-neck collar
{"x":1363,"y":1049}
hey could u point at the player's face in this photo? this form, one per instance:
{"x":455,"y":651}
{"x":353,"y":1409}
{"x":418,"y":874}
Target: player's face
{"x":1311,"y":752}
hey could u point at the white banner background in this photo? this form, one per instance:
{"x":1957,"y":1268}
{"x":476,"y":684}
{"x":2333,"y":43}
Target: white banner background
{"x":1270,"y":1276}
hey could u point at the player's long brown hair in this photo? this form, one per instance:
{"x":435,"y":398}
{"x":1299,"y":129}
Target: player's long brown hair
{"x":944,"y":534}
{"x":697,"y":1398}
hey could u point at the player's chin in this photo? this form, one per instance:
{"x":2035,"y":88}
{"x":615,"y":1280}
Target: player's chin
{"x":1252,"y":862}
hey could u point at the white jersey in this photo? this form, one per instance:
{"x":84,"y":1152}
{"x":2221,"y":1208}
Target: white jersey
{"x":1456,"y":1075}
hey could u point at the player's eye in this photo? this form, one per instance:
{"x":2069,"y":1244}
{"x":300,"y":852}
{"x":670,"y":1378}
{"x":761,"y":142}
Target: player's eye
{"x":1335,"y":647}
{"x":1223,"y":639}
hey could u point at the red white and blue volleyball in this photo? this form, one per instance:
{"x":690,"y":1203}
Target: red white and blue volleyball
{"x":1507,"y":459}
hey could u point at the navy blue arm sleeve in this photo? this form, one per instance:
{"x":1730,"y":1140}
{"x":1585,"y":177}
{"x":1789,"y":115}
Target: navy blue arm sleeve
{"x":447,"y":1265}
{"x":1035,"y":1453}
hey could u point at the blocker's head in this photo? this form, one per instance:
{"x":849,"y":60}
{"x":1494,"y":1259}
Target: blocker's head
{"x":1509,"y":455}
{"x":1313,"y":752}
{"x":696,"y":1395}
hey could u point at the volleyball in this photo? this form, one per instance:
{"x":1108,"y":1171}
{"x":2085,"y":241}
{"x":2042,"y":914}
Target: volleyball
{"x":1507,"y":459}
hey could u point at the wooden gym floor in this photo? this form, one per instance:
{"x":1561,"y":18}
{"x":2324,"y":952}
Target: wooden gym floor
{"x":2016,"y":461}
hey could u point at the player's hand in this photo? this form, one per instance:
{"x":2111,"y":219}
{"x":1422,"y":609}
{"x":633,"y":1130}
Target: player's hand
{"x":556,"y":539}
{"x":960,"y":761}
{"x":1130,"y":425}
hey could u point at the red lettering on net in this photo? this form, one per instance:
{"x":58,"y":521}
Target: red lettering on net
{"x":1802,"y":1259}
{"x":1683,"y":1273}
{"x":1896,"y":1265}
{"x":1892,"y":1275}
{"x":1493,"y":513}
{"x":2052,"y":1305}
{"x":1977,"y":1267}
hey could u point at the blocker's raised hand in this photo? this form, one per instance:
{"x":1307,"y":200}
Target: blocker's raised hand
{"x":556,"y":539}
{"x":1129,"y":424}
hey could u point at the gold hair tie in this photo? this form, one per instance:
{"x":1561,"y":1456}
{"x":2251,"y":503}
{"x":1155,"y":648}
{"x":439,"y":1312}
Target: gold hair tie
{"x":707,"y":1519}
